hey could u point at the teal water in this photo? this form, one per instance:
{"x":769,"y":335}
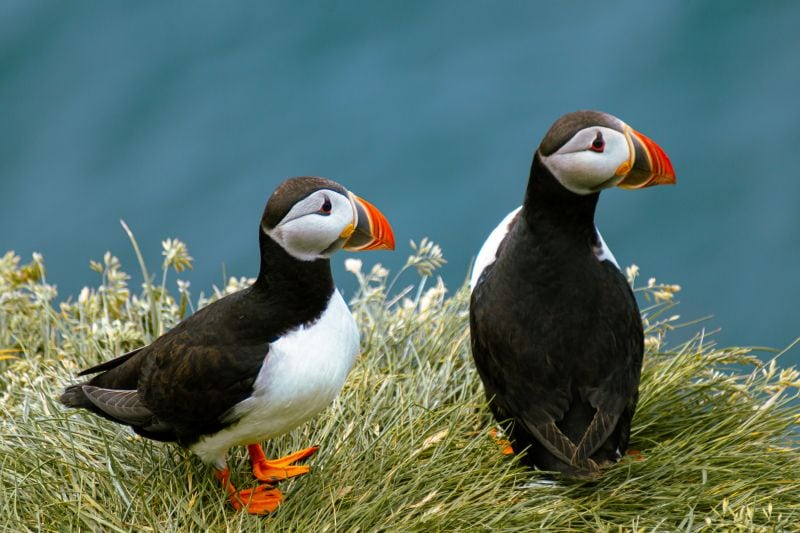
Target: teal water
{"x":181,"y":118}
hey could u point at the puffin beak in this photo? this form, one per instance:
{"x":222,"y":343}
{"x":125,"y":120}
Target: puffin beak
{"x":371,"y":232}
{"x":650,"y":165}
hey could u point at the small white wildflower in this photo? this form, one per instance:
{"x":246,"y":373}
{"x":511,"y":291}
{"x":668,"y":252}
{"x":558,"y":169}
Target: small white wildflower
{"x":378,"y":271}
{"x":651,"y":283}
{"x":176,"y":254}
{"x":427,"y":257}
{"x":789,"y":377}
{"x":44,"y":292}
{"x":652,"y":343}
{"x":83,"y":297}
{"x":433,"y":296}
{"x":101,"y":327}
{"x":353,"y":265}
{"x":141,"y":306}
{"x":662,"y":296}
{"x":631,"y":272}
{"x":237,"y":284}
{"x":111,"y":261}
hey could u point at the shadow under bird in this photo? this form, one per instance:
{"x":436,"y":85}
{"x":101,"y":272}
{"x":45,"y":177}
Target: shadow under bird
{"x":259,"y":362}
{"x":555,"y":329}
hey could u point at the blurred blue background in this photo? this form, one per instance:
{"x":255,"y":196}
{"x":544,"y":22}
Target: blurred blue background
{"x":182,"y":117}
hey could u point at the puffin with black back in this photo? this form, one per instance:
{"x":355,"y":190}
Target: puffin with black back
{"x":259,"y":362}
{"x":555,"y":329}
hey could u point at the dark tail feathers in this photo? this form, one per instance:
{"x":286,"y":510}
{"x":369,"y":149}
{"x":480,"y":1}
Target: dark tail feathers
{"x":73,"y":396}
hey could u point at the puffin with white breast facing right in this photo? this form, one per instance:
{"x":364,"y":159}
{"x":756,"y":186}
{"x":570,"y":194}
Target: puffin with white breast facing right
{"x":259,"y":362}
{"x":556,"y":332}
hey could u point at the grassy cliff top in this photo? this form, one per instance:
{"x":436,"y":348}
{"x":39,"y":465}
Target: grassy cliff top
{"x":406,"y":445}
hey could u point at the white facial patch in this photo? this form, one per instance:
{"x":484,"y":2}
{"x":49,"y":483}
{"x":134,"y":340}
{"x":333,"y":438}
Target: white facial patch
{"x":308,"y":230}
{"x":583,"y":170}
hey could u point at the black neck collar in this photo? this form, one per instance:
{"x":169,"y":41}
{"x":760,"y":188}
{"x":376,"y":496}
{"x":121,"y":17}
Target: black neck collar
{"x":301,"y":280}
{"x":549,"y":207}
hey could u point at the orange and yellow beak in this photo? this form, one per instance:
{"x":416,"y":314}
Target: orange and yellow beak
{"x":649,"y":166}
{"x":371,"y":232}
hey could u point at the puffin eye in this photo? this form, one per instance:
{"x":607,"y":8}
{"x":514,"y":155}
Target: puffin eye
{"x":598,"y":144}
{"x":326,"y":207}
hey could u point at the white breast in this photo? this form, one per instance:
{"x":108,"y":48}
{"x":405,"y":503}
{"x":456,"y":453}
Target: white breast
{"x":604,"y":252}
{"x":488,"y":252}
{"x":302,"y":374}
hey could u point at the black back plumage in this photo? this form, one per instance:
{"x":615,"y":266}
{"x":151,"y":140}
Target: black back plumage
{"x":189,"y":378}
{"x":556,"y":334}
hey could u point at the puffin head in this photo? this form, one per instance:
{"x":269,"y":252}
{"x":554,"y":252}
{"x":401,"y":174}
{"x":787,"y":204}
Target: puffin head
{"x":311,"y":218}
{"x":588,"y":151}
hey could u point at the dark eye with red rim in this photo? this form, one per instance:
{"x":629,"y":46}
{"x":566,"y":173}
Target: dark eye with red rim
{"x":326,"y":207}
{"x":598,"y":144}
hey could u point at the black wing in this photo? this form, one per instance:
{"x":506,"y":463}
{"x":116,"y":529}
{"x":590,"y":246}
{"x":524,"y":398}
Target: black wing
{"x":108,"y":365}
{"x":193,"y":378}
{"x":188,"y":378}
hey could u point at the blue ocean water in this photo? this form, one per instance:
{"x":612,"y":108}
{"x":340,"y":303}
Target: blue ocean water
{"x":182,"y":117}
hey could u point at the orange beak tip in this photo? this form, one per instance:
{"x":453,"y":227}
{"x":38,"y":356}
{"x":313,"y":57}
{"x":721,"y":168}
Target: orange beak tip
{"x":373,"y":231}
{"x":659,"y":166}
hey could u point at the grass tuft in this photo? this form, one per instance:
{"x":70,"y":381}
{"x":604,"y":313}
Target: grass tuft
{"x":406,"y":445}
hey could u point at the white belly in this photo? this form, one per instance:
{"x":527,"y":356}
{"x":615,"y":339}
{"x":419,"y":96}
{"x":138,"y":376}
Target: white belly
{"x":302,"y":374}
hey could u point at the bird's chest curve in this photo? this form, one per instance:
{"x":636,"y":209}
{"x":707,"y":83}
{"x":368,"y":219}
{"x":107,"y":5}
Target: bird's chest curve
{"x":549,"y":307}
{"x":305,"y":369}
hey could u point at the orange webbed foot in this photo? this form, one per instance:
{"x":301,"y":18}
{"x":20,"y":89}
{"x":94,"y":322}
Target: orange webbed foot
{"x":260,"y":500}
{"x":501,"y":441}
{"x":279,"y":469}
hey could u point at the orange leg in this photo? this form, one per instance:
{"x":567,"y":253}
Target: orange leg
{"x":279,"y":469}
{"x":262,"y":499}
{"x":635,"y":455}
{"x":501,"y":441}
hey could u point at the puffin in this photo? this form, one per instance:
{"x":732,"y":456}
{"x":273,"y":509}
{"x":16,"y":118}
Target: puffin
{"x":555,"y":331}
{"x":256,"y":363}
